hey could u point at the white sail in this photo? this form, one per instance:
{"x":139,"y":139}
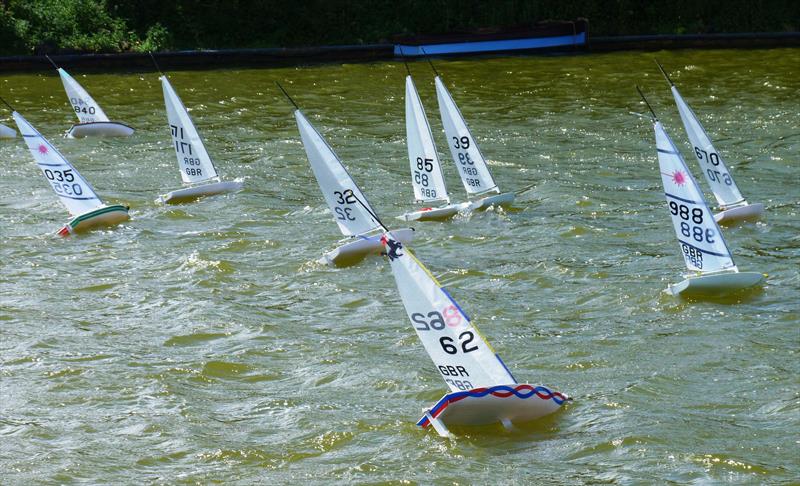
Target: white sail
{"x":193,"y":160}
{"x":461,"y":354}
{"x":468,"y":157}
{"x":711,"y":163}
{"x":73,"y":190}
{"x":337,"y":186}
{"x":701,"y":242}
{"x":86,"y":108}
{"x":7,"y":132}
{"x":426,"y":171}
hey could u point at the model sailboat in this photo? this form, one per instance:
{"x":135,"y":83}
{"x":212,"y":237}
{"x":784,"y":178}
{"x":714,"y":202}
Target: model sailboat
{"x":357,"y":221}
{"x":732,"y":204}
{"x":195,"y":165}
{"x":426,"y":171}
{"x":93,"y":122}
{"x":482,"y":389}
{"x":702,"y":245}
{"x":469,"y":160}
{"x":71,"y":188}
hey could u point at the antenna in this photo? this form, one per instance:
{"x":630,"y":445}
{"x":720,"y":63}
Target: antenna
{"x":402,"y":55}
{"x":664,"y":72}
{"x":287,"y":96}
{"x":429,"y":60}
{"x":51,"y":61}
{"x":6,"y":103}
{"x":366,"y":208}
{"x":655,"y":118}
{"x":154,"y":62}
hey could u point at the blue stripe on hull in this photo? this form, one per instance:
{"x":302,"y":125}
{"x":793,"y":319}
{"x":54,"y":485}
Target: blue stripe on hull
{"x":489,"y":46}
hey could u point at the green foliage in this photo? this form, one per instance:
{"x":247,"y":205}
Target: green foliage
{"x":157,"y":38}
{"x":141,"y":25}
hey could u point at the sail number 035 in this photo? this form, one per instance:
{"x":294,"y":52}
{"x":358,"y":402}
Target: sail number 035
{"x":63,"y":182}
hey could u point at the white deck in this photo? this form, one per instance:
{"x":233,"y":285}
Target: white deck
{"x":748,"y":211}
{"x":719,"y":283}
{"x":504,"y":199}
{"x":192,"y":193}
{"x":99,"y":129}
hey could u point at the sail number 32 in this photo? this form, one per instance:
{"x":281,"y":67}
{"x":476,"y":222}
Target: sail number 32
{"x":343,"y":213}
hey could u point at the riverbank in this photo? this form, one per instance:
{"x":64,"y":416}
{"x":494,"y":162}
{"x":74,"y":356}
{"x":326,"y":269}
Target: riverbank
{"x":298,"y":56}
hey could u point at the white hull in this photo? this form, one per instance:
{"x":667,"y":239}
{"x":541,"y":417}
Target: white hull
{"x":716,"y":284}
{"x":102,"y":216}
{"x":498,"y":404}
{"x":192,"y":193}
{"x":356,"y":250}
{"x":99,"y":129}
{"x":748,"y":211}
{"x":434,"y":214}
{"x":6,"y":132}
{"x":504,"y":199}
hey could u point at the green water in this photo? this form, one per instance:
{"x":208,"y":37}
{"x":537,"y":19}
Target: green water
{"x":202,"y":344}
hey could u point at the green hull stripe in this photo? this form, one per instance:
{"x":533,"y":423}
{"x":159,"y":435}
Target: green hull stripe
{"x":117,"y":207}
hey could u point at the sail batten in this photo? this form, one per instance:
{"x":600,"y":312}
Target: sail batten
{"x":193,"y":160}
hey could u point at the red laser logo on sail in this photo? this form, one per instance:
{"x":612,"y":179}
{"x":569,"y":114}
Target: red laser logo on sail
{"x":42,"y":149}
{"x":679,"y":178}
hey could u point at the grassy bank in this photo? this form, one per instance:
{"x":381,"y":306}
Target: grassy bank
{"x":61,"y":26}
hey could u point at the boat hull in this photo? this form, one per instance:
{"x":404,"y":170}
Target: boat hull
{"x":434,"y":214}
{"x":103,"y":216}
{"x":99,"y":129}
{"x":720,"y":283}
{"x":358,"y":249}
{"x":748,"y":211}
{"x":497,"y":404}
{"x":192,"y":193}
{"x":505,"y":199}
{"x":7,"y":132}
